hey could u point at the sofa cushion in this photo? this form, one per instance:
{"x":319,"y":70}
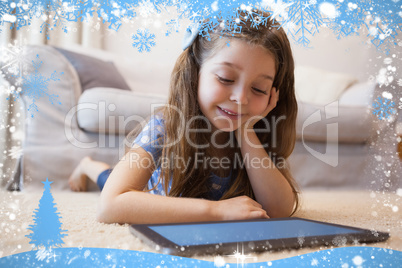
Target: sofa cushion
{"x":351,"y":113}
{"x":314,"y":122}
{"x":359,"y":94}
{"x":115,"y":111}
{"x":94,"y":72}
{"x":320,"y":87}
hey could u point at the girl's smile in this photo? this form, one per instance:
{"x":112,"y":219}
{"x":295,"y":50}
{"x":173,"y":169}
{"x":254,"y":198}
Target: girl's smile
{"x":235,"y":84}
{"x":229,"y":113}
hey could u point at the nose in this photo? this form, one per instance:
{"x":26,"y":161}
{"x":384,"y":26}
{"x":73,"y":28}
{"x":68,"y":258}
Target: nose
{"x":239,"y":95}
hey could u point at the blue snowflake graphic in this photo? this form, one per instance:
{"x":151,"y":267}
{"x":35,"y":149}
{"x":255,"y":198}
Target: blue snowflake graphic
{"x":143,"y":40}
{"x":306,"y":18}
{"x":384,"y":39}
{"x":113,"y":12}
{"x":383,"y":108}
{"x":350,"y":18}
{"x":206,"y":27}
{"x":382,"y":18}
{"x":80,"y":10}
{"x":25,"y":11}
{"x":386,"y":22}
{"x":35,"y":86}
{"x":301,"y":18}
{"x":3,"y":10}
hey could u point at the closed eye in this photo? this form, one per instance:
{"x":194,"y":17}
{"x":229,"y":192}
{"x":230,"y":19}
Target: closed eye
{"x":259,"y":90}
{"x":224,"y":80}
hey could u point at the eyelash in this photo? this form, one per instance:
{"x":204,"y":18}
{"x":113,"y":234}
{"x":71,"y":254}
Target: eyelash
{"x":221,"y":79}
{"x":260,"y":91}
{"x":225,"y":81}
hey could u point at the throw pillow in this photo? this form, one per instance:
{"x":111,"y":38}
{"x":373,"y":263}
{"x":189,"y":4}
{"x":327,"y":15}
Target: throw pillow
{"x":94,"y":72}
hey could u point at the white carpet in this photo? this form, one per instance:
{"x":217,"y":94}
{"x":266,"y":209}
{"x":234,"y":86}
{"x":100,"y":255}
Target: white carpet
{"x":377,"y":211}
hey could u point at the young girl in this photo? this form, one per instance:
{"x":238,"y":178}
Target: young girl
{"x":218,"y":150}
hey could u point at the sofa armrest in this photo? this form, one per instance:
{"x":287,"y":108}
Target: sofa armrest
{"x":351,"y":114}
{"x":353,"y":123}
{"x":114,"y":111}
{"x":359,"y":94}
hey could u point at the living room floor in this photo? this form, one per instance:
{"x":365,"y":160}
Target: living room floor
{"x":364,"y":209}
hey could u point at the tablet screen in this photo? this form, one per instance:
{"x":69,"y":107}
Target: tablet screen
{"x":215,"y":233}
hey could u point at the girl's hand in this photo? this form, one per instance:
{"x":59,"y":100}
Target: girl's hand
{"x":273,"y":99}
{"x":238,"y":208}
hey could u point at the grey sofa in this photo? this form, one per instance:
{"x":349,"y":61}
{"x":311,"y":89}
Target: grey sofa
{"x":94,"y":122}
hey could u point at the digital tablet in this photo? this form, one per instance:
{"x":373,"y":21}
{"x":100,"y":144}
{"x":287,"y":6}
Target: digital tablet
{"x":227,"y":237}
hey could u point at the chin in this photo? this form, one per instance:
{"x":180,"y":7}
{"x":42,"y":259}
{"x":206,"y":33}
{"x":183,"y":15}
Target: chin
{"x":226,"y":129}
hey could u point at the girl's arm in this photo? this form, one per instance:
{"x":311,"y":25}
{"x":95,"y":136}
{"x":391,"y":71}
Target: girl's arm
{"x":271,"y":189}
{"x":123,"y":200}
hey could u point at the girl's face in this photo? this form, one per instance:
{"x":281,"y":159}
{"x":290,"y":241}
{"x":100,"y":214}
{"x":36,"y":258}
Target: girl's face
{"x":235,"y":84}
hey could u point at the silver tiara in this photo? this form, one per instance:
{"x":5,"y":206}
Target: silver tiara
{"x":191,"y":33}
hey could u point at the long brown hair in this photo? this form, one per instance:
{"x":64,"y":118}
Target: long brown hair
{"x":190,"y":179}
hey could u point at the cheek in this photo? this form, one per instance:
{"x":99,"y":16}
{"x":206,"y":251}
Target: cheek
{"x":259,"y":105}
{"x":202,"y":94}
{"x":209,"y":92}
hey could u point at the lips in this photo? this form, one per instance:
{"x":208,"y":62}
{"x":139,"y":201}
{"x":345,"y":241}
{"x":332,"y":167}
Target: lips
{"x":229,"y":113}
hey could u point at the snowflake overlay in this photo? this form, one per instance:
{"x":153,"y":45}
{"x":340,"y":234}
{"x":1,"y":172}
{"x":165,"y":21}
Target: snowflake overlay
{"x":13,"y":61}
{"x":306,"y":20}
{"x":143,"y":40}
{"x":301,"y":18}
{"x":146,"y":8}
{"x":43,"y":254}
{"x":383,"y":108}
{"x":15,"y":152}
{"x":34,"y":86}
{"x":314,"y":262}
